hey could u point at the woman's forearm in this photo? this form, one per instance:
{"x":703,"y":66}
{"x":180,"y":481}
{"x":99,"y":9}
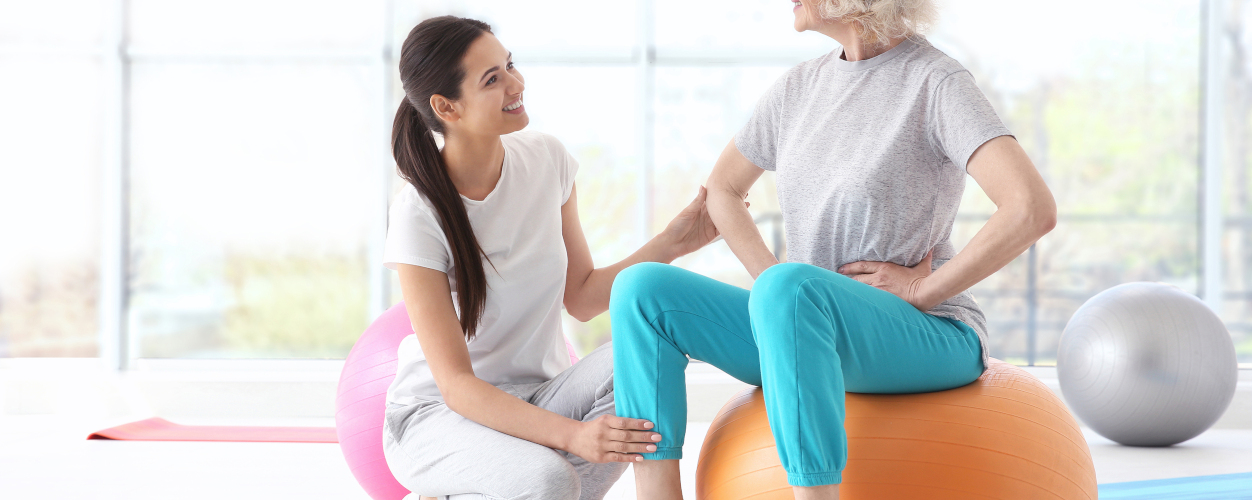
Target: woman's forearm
{"x":1007,"y":234}
{"x":738,"y":229}
{"x":591,"y":298}
{"x":477,"y":400}
{"x":732,"y":177}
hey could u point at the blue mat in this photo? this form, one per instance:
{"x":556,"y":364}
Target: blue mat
{"x":1224,"y":487}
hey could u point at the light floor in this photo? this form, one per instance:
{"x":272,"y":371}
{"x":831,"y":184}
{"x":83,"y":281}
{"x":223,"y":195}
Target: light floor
{"x":48,"y":457}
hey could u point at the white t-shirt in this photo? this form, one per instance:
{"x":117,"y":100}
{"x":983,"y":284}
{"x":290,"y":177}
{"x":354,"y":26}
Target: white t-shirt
{"x":518,"y":226}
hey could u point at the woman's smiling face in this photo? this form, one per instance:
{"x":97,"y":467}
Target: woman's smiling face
{"x":491,"y":93}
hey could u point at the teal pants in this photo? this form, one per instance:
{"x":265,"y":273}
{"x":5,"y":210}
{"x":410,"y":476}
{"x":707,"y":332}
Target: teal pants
{"x":806,"y":335}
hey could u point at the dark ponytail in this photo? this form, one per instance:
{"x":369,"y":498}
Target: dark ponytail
{"x":430,"y":63}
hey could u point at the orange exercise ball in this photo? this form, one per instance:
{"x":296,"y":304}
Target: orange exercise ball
{"x":1004,"y":436}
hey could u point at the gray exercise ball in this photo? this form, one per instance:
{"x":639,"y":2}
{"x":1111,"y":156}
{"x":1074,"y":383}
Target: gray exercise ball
{"x":1147,"y":364}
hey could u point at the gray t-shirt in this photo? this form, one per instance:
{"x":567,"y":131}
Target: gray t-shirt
{"x":870,"y":158}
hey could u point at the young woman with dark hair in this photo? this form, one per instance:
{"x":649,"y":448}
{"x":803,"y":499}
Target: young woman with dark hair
{"x":488,"y":248}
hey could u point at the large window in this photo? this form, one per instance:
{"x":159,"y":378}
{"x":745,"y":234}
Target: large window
{"x":1109,"y":113}
{"x":1233,"y":47}
{"x":52,"y":143}
{"x":252,"y":165}
{"x":187,"y":179}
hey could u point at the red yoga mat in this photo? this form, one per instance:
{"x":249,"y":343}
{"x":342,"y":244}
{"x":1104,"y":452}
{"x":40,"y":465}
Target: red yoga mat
{"x":159,"y":429}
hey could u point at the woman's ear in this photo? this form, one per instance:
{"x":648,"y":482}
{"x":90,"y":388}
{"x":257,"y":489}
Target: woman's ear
{"x":444,"y":108}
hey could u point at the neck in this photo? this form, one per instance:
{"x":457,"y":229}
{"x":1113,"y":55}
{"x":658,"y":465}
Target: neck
{"x":474,"y":163}
{"x":854,"y":47}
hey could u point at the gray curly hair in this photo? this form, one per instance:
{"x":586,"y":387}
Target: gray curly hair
{"x":881,"y":20}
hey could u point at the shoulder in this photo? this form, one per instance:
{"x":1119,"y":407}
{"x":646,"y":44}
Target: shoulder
{"x":931,"y":65}
{"x":812,"y":67}
{"x":807,"y":71}
{"x":532,"y":140}
{"x":414,"y":235}
{"x":792,"y":82}
{"x":535,"y":145}
{"x":409,"y":204}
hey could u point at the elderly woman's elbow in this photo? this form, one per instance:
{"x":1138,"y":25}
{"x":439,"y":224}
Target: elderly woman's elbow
{"x":1033,"y":219}
{"x":1049,"y":223}
{"x":1042,"y":217}
{"x":1050,"y":219}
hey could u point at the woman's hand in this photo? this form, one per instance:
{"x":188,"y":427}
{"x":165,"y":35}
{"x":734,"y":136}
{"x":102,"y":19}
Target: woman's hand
{"x":613,"y":439}
{"x":904,"y":282}
{"x":691,"y":229}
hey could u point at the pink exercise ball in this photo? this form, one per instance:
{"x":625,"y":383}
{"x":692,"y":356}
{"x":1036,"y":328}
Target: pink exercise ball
{"x":362,"y":399}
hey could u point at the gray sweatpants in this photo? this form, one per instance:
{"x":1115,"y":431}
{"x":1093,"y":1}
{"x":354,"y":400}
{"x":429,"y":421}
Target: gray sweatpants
{"x":433,"y":451}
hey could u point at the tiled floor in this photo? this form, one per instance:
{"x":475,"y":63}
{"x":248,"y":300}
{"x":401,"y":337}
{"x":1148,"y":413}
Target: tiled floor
{"x":47,"y":457}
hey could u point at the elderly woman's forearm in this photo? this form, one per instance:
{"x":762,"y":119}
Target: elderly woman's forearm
{"x":735,"y":224}
{"x":732,"y":177}
{"x":1006,"y":235}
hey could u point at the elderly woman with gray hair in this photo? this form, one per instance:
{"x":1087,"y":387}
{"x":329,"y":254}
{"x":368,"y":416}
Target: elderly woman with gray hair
{"x":870,"y":144}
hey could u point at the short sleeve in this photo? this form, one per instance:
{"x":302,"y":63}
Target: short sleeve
{"x":757,"y":140}
{"x":414,"y":237}
{"x":566,"y":166}
{"x":962,"y":119}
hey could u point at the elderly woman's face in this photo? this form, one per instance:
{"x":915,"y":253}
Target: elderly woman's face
{"x":806,"y":14}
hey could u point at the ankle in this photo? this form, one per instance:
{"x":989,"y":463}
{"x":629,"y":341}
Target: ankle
{"x":824,"y":492}
{"x":658,"y":479}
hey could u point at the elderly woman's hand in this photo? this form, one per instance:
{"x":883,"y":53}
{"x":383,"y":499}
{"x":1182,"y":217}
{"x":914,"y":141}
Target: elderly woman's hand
{"x":904,"y":282}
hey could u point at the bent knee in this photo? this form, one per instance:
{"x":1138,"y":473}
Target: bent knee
{"x":643,"y":287}
{"x":780,"y":282}
{"x":792,"y":287}
{"x":787,"y":274}
{"x":635,"y":281}
{"x":639,"y":279}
